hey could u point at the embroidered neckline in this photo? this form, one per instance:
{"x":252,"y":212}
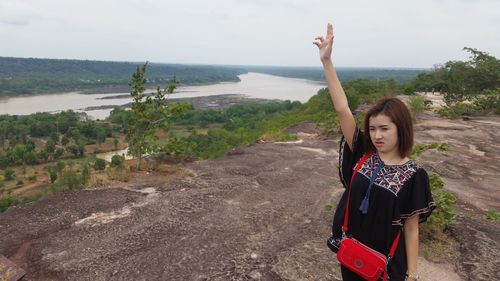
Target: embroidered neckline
{"x":391,"y":177}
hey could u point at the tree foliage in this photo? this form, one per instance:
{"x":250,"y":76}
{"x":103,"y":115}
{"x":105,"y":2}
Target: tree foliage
{"x":470,"y":80}
{"x":149,"y":114}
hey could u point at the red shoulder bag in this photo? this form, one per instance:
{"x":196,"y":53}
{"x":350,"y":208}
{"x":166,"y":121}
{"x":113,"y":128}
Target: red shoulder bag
{"x":357,"y":257}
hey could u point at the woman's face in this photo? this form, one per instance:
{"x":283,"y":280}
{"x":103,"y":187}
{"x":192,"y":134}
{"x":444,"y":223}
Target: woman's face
{"x":383,"y":133}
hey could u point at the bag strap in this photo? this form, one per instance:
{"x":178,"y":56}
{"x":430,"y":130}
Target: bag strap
{"x":356,"y":169}
{"x":346,"y":216}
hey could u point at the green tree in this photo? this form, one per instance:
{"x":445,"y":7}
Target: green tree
{"x":19,"y":153}
{"x":117,"y":161}
{"x":148,"y":115}
{"x":468,"y":79}
{"x":99,"y":164}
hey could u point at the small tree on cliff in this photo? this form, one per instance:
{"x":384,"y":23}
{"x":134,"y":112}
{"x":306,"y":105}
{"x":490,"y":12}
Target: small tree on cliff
{"x":149,"y":114}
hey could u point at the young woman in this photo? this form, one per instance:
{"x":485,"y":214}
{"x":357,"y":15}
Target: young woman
{"x":390,"y":193}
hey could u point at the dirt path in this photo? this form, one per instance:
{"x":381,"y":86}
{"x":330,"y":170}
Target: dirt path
{"x":256,"y":214}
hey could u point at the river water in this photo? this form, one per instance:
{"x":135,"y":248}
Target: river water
{"x":254,"y":85}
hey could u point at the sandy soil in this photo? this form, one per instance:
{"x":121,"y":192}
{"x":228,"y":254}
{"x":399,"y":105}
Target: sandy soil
{"x":255,"y":214}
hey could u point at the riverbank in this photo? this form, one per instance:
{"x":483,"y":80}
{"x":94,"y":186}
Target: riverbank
{"x":208,"y":102}
{"x":252,"y":85}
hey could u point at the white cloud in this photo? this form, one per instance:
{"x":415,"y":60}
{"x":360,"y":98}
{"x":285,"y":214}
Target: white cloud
{"x":16,"y":13}
{"x":280,"y":32}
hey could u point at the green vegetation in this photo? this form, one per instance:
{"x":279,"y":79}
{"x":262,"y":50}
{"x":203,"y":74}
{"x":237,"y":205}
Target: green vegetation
{"x":345,"y":73}
{"x":26,"y":76}
{"x":149,"y":115}
{"x":438,"y":243}
{"x":420,"y":148}
{"x":328,"y":207}
{"x":9,"y":174}
{"x":19,"y":76}
{"x":212,"y":133}
{"x":99,"y":164}
{"x":492,"y":215}
{"x":117,"y":161}
{"x":162,"y":129}
{"x":35,"y":138}
{"x":417,"y":105}
{"x":469,"y":86}
{"x":442,"y":217}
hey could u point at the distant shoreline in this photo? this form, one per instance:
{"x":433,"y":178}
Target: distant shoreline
{"x":205,"y":102}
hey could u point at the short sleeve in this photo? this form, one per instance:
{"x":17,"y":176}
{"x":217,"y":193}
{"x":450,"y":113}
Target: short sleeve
{"x":416,"y":198}
{"x":348,"y":158}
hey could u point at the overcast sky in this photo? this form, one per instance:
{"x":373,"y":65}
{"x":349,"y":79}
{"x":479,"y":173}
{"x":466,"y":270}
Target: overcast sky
{"x":383,"y":33}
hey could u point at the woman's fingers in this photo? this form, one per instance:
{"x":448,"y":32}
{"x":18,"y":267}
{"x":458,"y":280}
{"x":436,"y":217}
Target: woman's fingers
{"x":318,"y":41}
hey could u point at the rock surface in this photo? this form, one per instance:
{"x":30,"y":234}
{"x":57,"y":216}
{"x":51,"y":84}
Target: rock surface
{"x":255,"y":214}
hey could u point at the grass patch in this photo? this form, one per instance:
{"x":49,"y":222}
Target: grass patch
{"x":421,"y":147}
{"x":328,"y":207}
{"x":492,"y":215}
{"x":119,"y":173}
{"x":440,"y":247}
{"x":437,"y":244}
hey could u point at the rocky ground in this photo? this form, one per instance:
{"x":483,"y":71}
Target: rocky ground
{"x":255,"y":214}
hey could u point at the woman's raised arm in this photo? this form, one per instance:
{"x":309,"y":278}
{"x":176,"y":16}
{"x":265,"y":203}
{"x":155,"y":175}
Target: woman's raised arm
{"x":347,"y":122}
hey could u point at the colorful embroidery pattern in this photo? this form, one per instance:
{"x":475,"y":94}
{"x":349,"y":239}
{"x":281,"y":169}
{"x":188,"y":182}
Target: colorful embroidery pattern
{"x":391,"y":177}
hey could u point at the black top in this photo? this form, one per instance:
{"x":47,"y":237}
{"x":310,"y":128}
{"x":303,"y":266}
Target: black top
{"x":398,"y":192}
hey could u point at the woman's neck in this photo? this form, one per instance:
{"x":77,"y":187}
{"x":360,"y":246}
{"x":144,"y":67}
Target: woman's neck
{"x":392,"y":158}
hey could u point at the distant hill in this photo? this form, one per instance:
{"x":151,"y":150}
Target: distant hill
{"x":28,"y":76}
{"x":400,"y":75}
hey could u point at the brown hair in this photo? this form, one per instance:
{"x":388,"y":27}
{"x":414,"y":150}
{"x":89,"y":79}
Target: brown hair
{"x":397,"y":111}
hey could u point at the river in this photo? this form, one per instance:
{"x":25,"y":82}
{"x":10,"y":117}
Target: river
{"x":254,"y":85}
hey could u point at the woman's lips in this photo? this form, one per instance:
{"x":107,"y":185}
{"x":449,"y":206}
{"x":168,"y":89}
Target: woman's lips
{"x":378,"y":144}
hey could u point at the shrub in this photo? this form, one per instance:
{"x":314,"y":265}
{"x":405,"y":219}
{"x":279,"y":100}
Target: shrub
{"x":286,"y":137}
{"x":117,"y":161}
{"x":9,"y":174}
{"x":71,"y":180}
{"x":60,"y":166}
{"x":456,"y":109}
{"x":445,"y":201}
{"x":328,"y":207}
{"x":99,"y":164}
{"x":417,"y":105}
{"x":85,"y":174}
{"x":7,"y":202}
{"x":118,"y":173}
{"x":53,"y":175}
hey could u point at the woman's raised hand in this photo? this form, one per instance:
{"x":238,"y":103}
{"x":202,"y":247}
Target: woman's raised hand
{"x":325,"y":44}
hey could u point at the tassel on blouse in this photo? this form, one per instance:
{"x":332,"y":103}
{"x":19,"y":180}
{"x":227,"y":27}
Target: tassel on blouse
{"x":366,"y":201}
